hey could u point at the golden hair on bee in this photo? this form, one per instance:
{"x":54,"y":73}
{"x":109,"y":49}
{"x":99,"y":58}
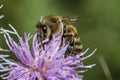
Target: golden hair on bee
{"x":51,"y":26}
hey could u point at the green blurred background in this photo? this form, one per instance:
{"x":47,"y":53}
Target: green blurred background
{"x":100,"y":30}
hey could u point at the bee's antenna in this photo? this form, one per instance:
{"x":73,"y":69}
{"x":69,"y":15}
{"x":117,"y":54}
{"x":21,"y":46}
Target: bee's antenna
{"x":41,"y":18}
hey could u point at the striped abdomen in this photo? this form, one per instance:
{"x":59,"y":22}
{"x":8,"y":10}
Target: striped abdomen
{"x":71,"y":37}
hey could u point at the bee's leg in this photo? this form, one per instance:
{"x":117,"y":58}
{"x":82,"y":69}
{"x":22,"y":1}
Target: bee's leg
{"x":64,"y":29}
{"x":50,"y":37}
{"x":63,"y":36}
{"x":40,"y":39}
{"x":42,"y":44}
{"x":67,"y":52}
{"x":70,"y":47}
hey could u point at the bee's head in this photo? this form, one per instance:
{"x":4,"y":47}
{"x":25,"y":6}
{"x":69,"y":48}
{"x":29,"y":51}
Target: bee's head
{"x":42,"y":29}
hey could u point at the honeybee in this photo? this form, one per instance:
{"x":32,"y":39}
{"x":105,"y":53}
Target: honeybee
{"x":51,"y":26}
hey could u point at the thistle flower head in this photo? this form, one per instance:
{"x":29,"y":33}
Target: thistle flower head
{"x":37,"y":63}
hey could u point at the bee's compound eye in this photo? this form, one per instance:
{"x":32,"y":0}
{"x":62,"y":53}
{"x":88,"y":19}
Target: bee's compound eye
{"x":44,"y":28}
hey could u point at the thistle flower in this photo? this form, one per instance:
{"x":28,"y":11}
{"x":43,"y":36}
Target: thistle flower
{"x":39,"y":64}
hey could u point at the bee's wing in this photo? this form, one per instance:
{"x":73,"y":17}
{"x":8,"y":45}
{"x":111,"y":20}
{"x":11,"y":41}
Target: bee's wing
{"x":73,"y":19}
